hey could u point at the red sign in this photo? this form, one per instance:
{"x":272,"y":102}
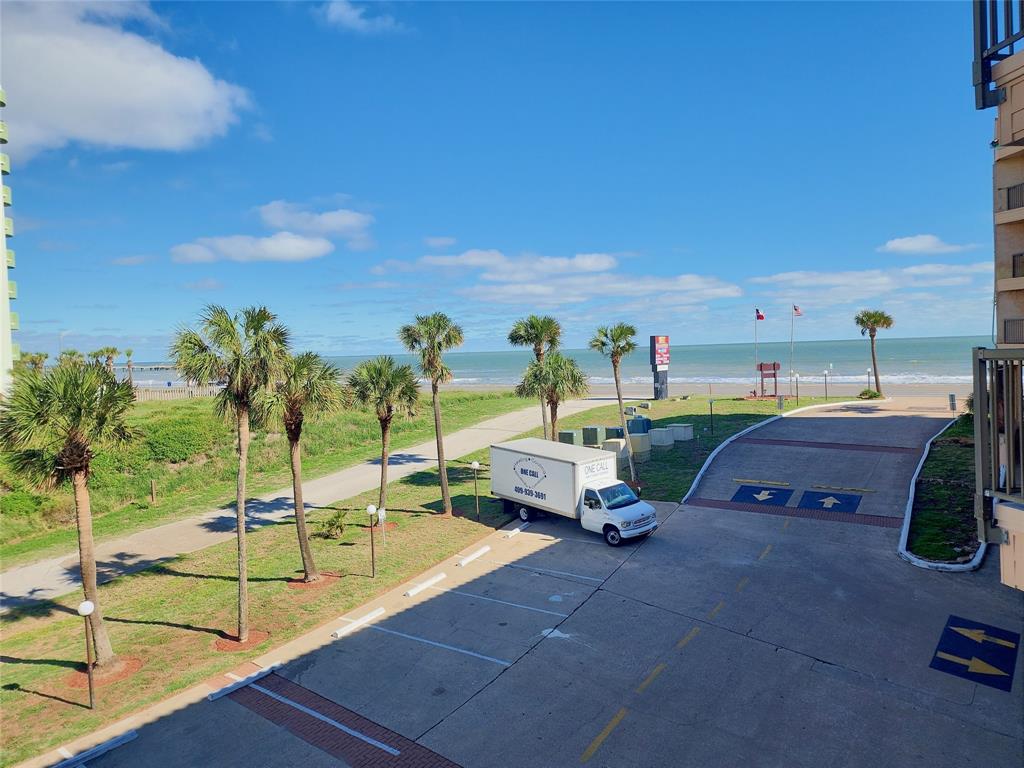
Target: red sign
{"x":660,"y":351}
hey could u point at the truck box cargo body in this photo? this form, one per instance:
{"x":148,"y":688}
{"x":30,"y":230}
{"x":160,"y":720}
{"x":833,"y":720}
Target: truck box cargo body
{"x":572,"y":481}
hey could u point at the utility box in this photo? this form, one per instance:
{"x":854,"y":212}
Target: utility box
{"x":681,"y":432}
{"x":613,"y":433}
{"x":569,"y":437}
{"x":1010,"y":517}
{"x":661,"y":437}
{"x":593,"y":435}
{"x":640,"y":425}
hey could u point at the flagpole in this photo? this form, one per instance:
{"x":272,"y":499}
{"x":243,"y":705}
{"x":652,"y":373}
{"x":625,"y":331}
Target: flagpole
{"x":755,"y":353}
{"x":792,"y":326}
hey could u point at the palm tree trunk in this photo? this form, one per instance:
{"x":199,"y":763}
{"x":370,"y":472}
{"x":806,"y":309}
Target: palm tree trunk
{"x":554,"y":419}
{"x":442,"y":469}
{"x":87,"y":564}
{"x":243,"y":558}
{"x":308,"y":566}
{"x":548,"y":432}
{"x":874,"y":364}
{"x":385,"y":445}
{"x":622,"y":418}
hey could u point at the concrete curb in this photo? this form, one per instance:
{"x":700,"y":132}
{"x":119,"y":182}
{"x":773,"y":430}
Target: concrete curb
{"x":931,"y":565}
{"x":752,"y":427}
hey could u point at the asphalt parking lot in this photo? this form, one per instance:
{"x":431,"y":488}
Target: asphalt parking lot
{"x":728,"y":637}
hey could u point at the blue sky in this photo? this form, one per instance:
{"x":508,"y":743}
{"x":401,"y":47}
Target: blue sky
{"x":352,"y":164}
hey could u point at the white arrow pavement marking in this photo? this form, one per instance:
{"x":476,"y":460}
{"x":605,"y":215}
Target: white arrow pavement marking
{"x":763,"y":495}
{"x":979,"y":636}
{"x":829,"y":501}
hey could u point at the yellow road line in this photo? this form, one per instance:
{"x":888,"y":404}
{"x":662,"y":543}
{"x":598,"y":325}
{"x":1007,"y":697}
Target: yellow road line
{"x":759,"y":482}
{"x":742,"y":583}
{"x":716,"y":609}
{"x":604,"y":734}
{"x":842,"y":488}
{"x":764,"y":552}
{"x":785,"y":525}
{"x":650,"y":678}
{"x":688,"y":637}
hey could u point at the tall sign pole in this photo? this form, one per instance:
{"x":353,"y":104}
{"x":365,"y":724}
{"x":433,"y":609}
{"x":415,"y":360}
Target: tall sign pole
{"x":661,"y":353}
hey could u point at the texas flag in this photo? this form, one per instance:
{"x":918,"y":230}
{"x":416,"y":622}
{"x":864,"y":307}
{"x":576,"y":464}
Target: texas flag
{"x":797,"y":312}
{"x":758,"y":314}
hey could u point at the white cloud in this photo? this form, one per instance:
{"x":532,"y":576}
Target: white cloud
{"x":501,"y":268}
{"x":348,"y":15}
{"x":351,"y":226}
{"x":281,"y":246}
{"x":439,"y":242}
{"x":930,"y":244}
{"x":74,"y":73}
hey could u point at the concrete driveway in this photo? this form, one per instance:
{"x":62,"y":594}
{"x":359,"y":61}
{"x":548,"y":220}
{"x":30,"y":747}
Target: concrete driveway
{"x":729,"y":637}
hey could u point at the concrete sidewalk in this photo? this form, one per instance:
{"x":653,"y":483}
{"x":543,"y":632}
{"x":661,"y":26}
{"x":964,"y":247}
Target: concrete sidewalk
{"x":59,"y":575}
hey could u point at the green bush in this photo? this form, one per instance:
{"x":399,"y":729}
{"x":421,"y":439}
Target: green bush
{"x":334,"y":526}
{"x":19,"y":503}
{"x":177,"y":440}
{"x":869,"y":394}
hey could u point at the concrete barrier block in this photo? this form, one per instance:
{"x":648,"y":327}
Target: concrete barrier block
{"x":616,"y":446}
{"x":661,"y":437}
{"x":681,"y":432}
{"x":641,"y":443}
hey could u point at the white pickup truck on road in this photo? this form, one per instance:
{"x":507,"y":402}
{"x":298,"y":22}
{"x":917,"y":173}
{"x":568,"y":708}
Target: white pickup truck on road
{"x":534,"y":475}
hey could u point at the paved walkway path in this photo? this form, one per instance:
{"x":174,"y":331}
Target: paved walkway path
{"x":57,"y":576}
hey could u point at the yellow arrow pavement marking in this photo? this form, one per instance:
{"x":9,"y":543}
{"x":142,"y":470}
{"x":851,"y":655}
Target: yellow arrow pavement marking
{"x":599,"y":739}
{"x":973,"y":664}
{"x":744,"y":481}
{"x":979,"y":636}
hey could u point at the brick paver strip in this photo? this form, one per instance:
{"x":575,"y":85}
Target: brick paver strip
{"x":879,"y":521}
{"x":831,"y":446}
{"x":324,"y":736}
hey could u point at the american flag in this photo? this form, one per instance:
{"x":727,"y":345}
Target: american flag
{"x":758,"y":314}
{"x":797,"y":312}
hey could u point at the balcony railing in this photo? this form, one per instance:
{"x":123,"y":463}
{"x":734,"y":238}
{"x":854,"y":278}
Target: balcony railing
{"x":998,"y":422}
{"x":997,"y":29}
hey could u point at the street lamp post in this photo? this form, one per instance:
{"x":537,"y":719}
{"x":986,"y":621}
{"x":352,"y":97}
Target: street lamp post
{"x":371,"y":510}
{"x":796,"y":378}
{"x":476,"y":466}
{"x":711,"y":411}
{"x":85,"y":609}
{"x":825,"y":373}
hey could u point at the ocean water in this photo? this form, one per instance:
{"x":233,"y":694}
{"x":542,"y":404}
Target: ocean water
{"x":940,"y":360}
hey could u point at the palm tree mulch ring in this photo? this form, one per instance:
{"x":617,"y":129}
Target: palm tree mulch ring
{"x":326,"y":579}
{"x":229,"y":643}
{"x":123,"y":667}
{"x":387,"y":525}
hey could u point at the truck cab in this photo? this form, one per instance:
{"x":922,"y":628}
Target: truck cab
{"x":612,"y":509}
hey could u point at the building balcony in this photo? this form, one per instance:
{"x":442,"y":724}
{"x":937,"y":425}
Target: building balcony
{"x":3,"y":132}
{"x":1009,"y":204}
{"x":7,"y":195}
{"x":15,"y":321}
{"x":1010,"y":284}
{"x":10,"y":258}
{"x":5,"y":164}
{"x":12,"y":289}
{"x":8,"y":226}
{"x":3,"y":98}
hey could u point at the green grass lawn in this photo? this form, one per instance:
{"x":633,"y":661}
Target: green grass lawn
{"x":190,"y":454}
{"x":943,"y":526}
{"x":171,"y":614}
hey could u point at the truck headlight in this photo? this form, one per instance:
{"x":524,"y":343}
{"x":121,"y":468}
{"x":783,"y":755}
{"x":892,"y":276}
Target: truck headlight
{"x":627,"y":523}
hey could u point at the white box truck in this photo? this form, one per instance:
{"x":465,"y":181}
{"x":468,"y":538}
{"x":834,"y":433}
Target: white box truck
{"x":534,"y":475}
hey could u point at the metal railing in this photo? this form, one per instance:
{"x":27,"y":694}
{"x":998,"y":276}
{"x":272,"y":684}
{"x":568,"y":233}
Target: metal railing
{"x":1013,"y":331}
{"x":1018,"y":265}
{"x":998,"y":421}
{"x":1015,"y":197}
{"x":997,"y":29}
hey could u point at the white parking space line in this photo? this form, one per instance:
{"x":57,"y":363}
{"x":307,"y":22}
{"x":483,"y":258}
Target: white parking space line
{"x":553,"y":537}
{"x":547,"y":571}
{"x":436,"y":644}
{"x":325,"y":719}
{"x":240,"y":682}
{"x":503,"y":602}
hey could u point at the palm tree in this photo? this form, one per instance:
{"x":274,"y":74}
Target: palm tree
{"x":50,"y":427}
{"x":309,"y":388}
{"x":128,"y":363}
{"x":70,"y":358}
{"x":388,"y":389}
{"x":33,"y":361}
{"x":557,"y":379}
{"x":543,"y":333}
{"x":616,"y":342}
{"x":431,"y":336}
{"x":246,"y":352}
{"x":107,"y":355}
{"x":870,"y":321}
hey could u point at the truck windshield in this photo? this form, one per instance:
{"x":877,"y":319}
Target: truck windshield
{"x":616,"y":496}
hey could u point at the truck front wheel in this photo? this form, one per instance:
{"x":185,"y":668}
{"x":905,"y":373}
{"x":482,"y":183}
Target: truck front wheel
{"x":525,"y":514}
{"x":612,"y":536}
